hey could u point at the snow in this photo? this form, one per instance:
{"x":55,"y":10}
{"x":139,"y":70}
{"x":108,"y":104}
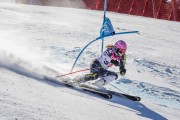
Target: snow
{"x":38,"y":41}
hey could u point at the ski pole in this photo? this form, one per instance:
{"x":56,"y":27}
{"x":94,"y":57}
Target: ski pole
{"x":76,"y":72}
{"x":72,"y":72}
{"x":117,"y":88}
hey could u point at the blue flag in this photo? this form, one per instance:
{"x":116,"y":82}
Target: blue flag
{"x":107,"y":28}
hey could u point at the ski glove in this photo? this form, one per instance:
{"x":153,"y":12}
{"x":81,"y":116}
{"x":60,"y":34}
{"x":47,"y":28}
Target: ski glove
{"x":116,"y":63}
{"x":123,"y":72}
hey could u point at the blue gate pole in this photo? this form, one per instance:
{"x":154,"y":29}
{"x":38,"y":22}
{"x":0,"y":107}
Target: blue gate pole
{"x":105,"y":6}
{"x":81,"y":53}
{"x":102,"y":45}
{"x":102,"y":32}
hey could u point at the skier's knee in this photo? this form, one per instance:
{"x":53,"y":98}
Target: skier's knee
{"x":105,"y":80}
{"x":113,"y":74}
{"x":109,"y":78}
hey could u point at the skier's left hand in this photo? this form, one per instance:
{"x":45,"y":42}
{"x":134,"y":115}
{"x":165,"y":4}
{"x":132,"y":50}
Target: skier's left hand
{"x":123,"y":72}
{"x":116,"y":63}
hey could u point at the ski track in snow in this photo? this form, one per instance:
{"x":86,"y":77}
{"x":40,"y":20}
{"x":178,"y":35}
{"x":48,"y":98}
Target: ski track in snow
{"x":162,"y":70}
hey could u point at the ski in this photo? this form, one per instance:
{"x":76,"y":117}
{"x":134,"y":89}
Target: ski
{"x":131,"y":97}
{"x":90,"y":89}
{"x":100,"y":93}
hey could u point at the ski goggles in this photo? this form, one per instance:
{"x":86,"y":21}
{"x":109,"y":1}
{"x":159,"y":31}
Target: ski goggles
{"x":122,"y":51}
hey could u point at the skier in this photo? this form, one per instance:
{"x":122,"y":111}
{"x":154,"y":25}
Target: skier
{"x":113,"y":55}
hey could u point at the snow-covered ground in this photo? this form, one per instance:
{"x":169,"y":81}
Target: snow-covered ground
{"x":37,"y":41}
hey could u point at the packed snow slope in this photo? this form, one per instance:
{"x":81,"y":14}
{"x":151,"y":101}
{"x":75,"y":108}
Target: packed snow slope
{"x":37,"y":41}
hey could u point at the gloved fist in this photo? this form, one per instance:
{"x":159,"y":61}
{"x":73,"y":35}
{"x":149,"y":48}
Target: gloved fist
{"x":116,"y":63}
{"x":123,"y":72}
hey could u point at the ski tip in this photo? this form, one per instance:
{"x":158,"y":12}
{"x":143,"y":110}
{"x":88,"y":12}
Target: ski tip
{"x":108,"y":96}
{"x":138,"y":99}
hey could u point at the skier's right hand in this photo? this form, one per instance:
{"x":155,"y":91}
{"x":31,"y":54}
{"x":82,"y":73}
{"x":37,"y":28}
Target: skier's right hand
{"x":123,"y":72}
{"x":115,"y":62}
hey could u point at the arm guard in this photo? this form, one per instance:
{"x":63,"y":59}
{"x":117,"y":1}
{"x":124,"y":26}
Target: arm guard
{"x":122,"y":62}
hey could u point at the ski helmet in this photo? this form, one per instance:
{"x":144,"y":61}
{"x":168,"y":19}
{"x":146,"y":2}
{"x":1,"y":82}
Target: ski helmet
{"x":121,"y":46}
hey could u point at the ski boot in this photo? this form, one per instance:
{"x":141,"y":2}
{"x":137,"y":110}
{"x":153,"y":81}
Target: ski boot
{"x":85,"y":78}
{"x":79,"y":79}
{"x":94,"y":84}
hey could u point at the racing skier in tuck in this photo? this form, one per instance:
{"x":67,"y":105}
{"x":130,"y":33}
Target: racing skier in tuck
{"x":113,"y":55}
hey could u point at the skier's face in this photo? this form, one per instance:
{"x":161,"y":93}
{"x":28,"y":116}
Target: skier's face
{"x":122,"y":51}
